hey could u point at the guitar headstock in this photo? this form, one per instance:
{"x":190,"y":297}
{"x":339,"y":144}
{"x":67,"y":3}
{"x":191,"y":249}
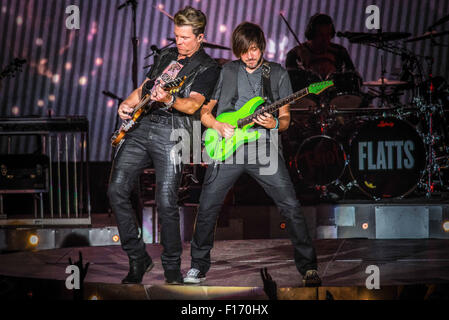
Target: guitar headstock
{"x":175,"y":85}
{"x":317,"y":88}
{"x":12,"y":68}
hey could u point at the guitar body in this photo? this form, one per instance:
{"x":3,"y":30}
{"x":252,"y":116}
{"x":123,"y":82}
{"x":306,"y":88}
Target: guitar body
{"x":141,"y":109}
{"x":118,"y":135}
{"x":219,"y":148}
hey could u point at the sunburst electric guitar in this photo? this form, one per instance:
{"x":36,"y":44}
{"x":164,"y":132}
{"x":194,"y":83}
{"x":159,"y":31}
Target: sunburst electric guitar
{"x":143,"y":107}
{"x":219,"y":148}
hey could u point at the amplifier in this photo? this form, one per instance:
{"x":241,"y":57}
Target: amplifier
{"x":23,"y":172}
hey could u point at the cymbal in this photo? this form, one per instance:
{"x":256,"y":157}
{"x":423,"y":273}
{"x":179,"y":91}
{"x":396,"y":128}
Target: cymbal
{"x":208,"y":45}
{"x":428,"y":35}
{"x":364,"y":37}
{"x":386,"y":82}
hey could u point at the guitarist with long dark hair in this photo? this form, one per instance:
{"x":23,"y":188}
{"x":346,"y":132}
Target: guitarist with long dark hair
{"x":149,"y":143}
{"x":239,"y":82}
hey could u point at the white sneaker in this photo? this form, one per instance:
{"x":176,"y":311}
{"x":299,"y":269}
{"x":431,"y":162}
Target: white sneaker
{"x":194,"y":276}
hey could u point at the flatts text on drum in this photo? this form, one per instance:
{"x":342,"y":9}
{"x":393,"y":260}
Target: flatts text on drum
{"x":390,"y":155}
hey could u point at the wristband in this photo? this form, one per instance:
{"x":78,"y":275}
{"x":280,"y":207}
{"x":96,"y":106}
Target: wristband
{"x":277,"y":124}
{"x":172,"y":101}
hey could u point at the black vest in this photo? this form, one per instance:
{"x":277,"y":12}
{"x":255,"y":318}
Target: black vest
{"x":197,"y":64}
{"x":229,"y":91}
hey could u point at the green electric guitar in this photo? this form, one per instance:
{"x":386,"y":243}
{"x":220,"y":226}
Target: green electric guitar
{"x":220,"y":149}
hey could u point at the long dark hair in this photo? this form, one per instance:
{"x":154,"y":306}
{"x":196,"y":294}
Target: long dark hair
{"x":245,"y":35}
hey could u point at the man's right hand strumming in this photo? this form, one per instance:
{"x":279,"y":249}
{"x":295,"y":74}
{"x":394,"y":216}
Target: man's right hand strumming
{"x":125,"y":110}
{"x":224,"y":129}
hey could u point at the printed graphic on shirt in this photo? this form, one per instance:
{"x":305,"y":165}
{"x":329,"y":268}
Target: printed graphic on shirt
{"x":169,"y":74}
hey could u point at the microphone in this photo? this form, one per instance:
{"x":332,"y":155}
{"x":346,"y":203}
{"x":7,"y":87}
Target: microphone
{"x":128,"y":2}
{"x":347,"y":34}
{"x":111,"y":95}
{"x":155,"y":49}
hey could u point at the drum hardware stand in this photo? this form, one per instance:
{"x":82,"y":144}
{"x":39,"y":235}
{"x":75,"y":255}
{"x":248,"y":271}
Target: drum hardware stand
{"x":430,"y":139}
{"x":382,"y":87}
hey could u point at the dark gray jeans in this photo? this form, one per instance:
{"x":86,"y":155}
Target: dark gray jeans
{"x":217,"y":182}
{"x":148,"y":144}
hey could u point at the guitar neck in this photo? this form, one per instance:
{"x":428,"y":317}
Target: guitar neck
{"x":274,"y":107}
{"x":142,"y":103}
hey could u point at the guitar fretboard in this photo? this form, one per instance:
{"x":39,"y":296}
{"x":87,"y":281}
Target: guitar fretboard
{"x":273,"y":107}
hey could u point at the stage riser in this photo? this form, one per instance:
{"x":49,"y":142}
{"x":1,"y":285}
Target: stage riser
{"x":18,"y":239}
{"x":380,"y":221}
{"x":259,"y":222}
{"x":323,"y":221}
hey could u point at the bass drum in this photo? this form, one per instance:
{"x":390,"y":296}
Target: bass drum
{"x":387,"y":158}
{"x":320,"y":161}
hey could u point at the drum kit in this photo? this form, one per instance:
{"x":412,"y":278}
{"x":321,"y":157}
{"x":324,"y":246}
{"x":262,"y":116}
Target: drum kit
{"x":340,"y":141}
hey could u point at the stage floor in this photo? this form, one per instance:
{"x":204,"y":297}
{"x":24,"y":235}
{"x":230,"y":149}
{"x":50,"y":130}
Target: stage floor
{"x":341,"y":262}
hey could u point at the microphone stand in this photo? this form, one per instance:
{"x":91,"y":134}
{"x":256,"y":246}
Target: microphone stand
{"x":290,"y":28}
{"x":117,"y":118}
{"x":134,"y":39}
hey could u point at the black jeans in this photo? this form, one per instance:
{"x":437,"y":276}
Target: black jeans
{"x":147,"y":144}
{"x":217,"y":182}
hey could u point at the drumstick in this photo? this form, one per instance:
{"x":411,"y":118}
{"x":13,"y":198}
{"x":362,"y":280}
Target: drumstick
{"x":164,"y":12}
{"x":290,"y":28}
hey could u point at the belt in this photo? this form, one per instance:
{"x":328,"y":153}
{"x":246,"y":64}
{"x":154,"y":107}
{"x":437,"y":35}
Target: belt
{"x":160,"y":119}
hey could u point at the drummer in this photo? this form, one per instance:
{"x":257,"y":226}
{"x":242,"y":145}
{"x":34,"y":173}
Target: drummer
{"x":318,"y":53}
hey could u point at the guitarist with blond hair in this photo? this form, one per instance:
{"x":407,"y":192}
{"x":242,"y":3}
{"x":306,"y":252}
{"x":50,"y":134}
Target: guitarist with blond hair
{"x":149,"y":143}
{"x":239,"y":82}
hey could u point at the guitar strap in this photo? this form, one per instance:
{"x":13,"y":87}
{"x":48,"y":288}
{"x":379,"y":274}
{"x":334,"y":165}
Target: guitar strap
{"x":266,"y":84}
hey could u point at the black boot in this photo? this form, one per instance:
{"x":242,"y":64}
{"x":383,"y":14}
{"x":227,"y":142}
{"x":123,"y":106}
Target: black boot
{"x":137,"y":268}
{"x":173,"y":277}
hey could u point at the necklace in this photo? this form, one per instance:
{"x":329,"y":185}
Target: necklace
{"x":258,"y":85}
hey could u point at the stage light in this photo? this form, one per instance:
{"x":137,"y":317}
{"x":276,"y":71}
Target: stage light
{"x":99,"y":61}
{"x":94,"y":297}
{"x":223,"y":28}
{"x":15,"y":110}
{"x":33,"y":240}
{"x":19,"y":21}
{"x":83,"y":81}
{"x":365,"y":226}
{"x":40,"y":103}
{"x":68,"y":66}
{"x":282,"y":226}
{"x":115,"y":238}
{"x":446,"y":226}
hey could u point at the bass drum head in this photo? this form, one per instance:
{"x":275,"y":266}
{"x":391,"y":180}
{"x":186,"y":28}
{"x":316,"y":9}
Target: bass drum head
{"x":387,"y":158}
{"x":320,"y":160}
